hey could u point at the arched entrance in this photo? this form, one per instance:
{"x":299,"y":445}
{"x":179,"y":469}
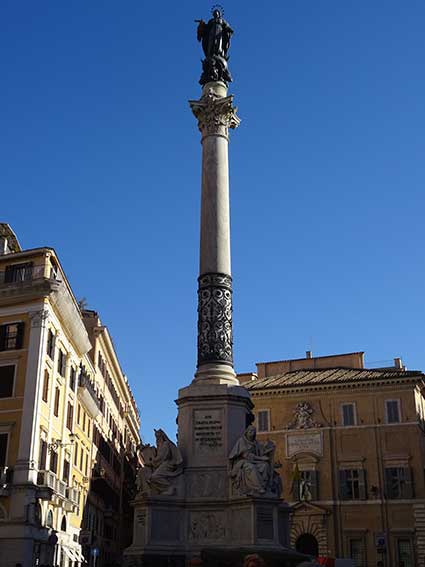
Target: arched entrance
{"x":307,"y":543}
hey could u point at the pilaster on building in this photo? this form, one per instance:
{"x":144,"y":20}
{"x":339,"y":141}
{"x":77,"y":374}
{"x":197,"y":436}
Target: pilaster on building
{"x":69,"y":424}
{"x":350,"y":441}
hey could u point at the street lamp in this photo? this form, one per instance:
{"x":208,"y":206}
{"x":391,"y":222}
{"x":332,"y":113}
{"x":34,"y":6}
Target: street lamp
{"x":56,"y":443}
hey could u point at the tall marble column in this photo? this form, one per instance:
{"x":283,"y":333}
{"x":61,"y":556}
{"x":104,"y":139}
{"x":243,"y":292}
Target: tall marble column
{"x":216,"y":114}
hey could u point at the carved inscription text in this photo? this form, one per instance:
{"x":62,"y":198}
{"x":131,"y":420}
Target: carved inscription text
{"x":208,"y":430}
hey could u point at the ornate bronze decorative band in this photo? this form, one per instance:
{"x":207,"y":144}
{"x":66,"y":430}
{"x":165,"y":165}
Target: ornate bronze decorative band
{"x":215,"y":338}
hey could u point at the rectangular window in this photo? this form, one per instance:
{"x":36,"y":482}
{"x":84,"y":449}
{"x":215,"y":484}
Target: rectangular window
{"x":61,"y":363}
{"x":81,"y":458}
{"x":57,"y":399}
{"x":42,"y":455}
{"x":18,"y":272}
{"x":70,"y":416}
{"x":54,"y":462}
{"x":51,"y":341}
{"x":348,"y":414}
{"x":398,"y":482}
{"x":263,"y":420}
{"x":76,"y":454}
{"x":357,"y":552}
{"x":352,"y":484}
{"x":392,"y":412}
{"x":3,"y":448}
{"x":78,"y":414}
{"x":65,"y":474}
{"x":87,"y":464}
{"x":72,"y":378}
{"x":405,"y":553}
{"x":7,"y":378}
{"x":11,"y":336}
{"x":45,"y":394}
{"x":84,"y":420}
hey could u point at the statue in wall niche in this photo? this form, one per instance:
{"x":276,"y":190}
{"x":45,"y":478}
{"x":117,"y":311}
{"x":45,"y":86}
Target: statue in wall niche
{"x":163,"y":464}
{"x":252,"y":467}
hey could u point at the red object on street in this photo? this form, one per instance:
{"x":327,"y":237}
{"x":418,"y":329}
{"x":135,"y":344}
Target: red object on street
{"x":327,"y":561}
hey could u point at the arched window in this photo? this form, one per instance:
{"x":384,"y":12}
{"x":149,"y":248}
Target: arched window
{"x":63,"y":524}
{"x":49,"y":520}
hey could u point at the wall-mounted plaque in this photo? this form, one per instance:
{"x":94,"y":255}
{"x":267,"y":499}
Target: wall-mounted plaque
{"x":301,"y":442}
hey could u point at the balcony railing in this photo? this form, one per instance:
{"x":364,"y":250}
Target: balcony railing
{"x":24,"y":274}
{"x":61,"y":488}
{"x":47,"y":478}
{"x":88,"y":394}
{"x":73,"y":495}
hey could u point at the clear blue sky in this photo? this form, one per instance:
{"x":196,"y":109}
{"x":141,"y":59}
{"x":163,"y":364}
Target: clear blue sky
{"x":100,"y":158}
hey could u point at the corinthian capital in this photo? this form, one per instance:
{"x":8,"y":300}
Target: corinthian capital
{"x":215,"y":114}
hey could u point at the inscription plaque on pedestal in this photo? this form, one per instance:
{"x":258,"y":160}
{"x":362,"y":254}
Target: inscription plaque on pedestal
{"x":208,"y":430}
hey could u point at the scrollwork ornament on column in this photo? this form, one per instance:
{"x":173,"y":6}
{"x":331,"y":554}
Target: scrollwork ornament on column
{"x":39,"y":318}
{"x":215,"y":338}
{"x":215,"y":114}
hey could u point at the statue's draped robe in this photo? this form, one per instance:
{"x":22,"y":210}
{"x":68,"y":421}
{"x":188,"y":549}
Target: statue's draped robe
{"x":170,"y":465}
{"x":216,"y":38}
{"x":250,"y":475}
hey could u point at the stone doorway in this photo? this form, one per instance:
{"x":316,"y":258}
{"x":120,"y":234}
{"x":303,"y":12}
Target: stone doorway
{"x":308,"y":544}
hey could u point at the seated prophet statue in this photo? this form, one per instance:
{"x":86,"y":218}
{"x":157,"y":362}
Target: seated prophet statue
{"x":163,"y":464}
{"x":252,"y":465}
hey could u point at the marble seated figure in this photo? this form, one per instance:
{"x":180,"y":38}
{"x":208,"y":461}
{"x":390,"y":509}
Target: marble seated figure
{"x":252,"y":465}
{"x":163,"y":464}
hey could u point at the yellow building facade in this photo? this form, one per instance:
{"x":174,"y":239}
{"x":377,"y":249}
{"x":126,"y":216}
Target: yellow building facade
{"x":350,"y":445}
{"x":52,"y":419}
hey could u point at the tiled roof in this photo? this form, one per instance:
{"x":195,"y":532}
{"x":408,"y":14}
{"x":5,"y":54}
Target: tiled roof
{"x":323,"y":377}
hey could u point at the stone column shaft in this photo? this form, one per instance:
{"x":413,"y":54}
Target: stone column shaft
{"x":215,"y":114}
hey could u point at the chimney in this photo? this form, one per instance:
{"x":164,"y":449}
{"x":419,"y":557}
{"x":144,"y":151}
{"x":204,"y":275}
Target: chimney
{"x":4,"y":249}
{"x":308,"y":354}
{"x":398,"y":364}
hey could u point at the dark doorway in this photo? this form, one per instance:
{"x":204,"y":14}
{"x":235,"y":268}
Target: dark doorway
{"x":307,"y":544}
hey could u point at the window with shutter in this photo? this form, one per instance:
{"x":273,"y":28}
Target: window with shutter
{"x":61,"y":363}
{"x":51,"y":340}
{"x":3,"y":448}
{"x":45,"y":394}
{"x":65,"y":474}
{"x":54,"y":462}
{"x":263,"y":420}
{"x":56,"y":405}
{"x":398,"y":482}
{"x":7,"y":378}
{"x":42,"y":456}
{"x":392,"y":411}
{"x":70,"y":415}
{"x":348,"y":414}
{"x":11,"y":336}
{"x":352,"y":484}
